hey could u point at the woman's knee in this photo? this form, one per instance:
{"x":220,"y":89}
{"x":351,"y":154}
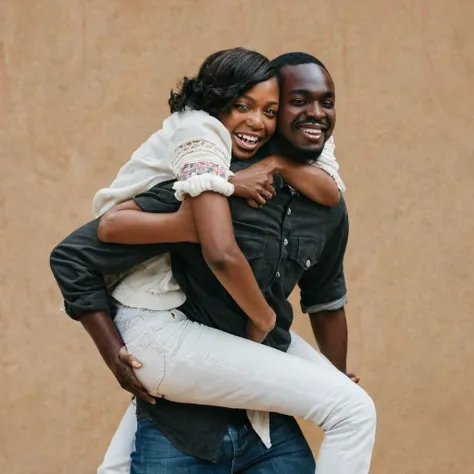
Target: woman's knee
{"x":356,"y":409}
{"x":363,"y":409}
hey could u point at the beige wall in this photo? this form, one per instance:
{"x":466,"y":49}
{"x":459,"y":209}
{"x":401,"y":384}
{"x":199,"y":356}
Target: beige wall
{"x":83,"y":82}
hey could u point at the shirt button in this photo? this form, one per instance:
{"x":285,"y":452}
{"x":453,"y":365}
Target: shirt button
{"x":285,"y":242}
{"x":307,"y":263}
{"x":278,"y":274}
{"x":289,"y":211}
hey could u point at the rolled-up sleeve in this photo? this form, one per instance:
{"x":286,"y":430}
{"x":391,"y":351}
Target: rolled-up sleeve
{"x":80,"y":262}
{"x":200,"y":155}
{"x":323,"y":287}
{"x":328,"y":163}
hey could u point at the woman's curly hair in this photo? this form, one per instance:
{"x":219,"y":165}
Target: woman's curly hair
{"x":223,"y":77}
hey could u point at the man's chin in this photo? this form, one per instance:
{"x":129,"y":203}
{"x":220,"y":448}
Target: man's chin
{"x":309,"y":152}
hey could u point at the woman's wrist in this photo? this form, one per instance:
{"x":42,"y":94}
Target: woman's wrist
{"x":276,"y":163}
{"x":268,"y":323}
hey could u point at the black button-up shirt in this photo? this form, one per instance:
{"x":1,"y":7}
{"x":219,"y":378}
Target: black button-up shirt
{"x":289,"y":241}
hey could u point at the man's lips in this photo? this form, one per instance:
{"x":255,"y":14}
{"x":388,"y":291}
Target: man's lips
{"x":312,"y":131}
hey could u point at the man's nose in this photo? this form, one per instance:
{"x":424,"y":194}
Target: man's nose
{"x":315,"y":111}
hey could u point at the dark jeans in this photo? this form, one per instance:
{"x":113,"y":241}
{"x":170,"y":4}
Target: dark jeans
{"x":241,"y":452}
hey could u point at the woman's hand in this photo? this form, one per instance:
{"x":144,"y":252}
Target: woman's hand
{"x":255,"y":183}
{"x":254,"y":333}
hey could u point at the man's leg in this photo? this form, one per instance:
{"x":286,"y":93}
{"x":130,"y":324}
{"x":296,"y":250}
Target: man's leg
{"x":154,"y":454}
{"x":289,"y":452}
{"x":117,"y":458}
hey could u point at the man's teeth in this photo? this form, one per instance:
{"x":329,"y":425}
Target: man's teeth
{"x":311,"y":131}
{"x":248,"y":138}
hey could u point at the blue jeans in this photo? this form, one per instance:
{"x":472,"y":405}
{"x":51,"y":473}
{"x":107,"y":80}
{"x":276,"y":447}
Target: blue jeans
{"x":242,"y":452}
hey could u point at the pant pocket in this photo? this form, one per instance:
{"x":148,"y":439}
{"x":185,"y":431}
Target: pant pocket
{"x":152,"y":358}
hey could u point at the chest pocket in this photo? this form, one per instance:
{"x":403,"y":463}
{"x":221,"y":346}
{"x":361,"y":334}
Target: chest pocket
{"x":252,"y":246}
{"x":306,"y":251}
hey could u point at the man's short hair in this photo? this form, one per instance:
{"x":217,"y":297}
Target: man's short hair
{"x":294,"y":59}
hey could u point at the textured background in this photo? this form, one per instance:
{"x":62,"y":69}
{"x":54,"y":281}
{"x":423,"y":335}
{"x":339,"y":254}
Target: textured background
{"x":84,"y":82}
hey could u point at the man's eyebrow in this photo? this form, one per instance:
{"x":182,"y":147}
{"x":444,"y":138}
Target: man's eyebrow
{"x":299,"y":92}
{"x":328,"y":94}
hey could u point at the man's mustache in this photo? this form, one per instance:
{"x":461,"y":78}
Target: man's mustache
{"x":324,"y":125}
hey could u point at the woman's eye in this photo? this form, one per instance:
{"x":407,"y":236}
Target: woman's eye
{"x":271,"y":112}
{"x":242,"y":107}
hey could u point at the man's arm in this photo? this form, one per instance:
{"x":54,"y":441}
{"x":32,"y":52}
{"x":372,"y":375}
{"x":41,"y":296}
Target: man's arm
{"x":323,"y":296}
{"x":330,"y":331}
{"x":81,"y":260}
{"x":110,"y":344}
{"x":79,"y":264}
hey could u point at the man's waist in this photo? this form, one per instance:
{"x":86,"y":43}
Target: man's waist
{"x":238,"y":417}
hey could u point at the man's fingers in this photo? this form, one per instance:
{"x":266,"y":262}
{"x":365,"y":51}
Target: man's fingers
{"x":355,"y":378}
{"x":144,"y":395}
{"x":128,"y":358}
{"x":130,"y":383}
{"x":134,"y":362}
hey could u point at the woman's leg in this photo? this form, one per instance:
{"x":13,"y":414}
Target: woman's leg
{"x":117,"y":459}
{"x":303,"y":350}
{"x":189,"y":362}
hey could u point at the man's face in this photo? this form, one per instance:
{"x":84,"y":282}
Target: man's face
{"x":307,"y":107}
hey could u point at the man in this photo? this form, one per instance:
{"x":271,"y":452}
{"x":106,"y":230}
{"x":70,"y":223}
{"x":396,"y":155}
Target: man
{"x":307,"y":118}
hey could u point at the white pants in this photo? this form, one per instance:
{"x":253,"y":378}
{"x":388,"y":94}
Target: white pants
{"x":191,"y":363}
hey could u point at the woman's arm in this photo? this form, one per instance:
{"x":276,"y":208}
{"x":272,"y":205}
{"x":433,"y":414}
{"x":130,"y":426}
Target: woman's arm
{"x":221,"y":252}
{"x":126,"y":223}
{"x":309,"y":180}
{"x":255,"y":183}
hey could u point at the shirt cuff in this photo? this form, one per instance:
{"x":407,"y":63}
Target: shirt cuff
{"x":331,"y":306}
{"x":198,"y":184}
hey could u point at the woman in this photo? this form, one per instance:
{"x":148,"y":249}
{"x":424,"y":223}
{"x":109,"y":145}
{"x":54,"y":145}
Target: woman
{"x":200,"y":160}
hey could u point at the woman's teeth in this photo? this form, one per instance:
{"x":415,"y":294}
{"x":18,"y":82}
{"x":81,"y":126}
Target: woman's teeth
{"x":247,"y":138}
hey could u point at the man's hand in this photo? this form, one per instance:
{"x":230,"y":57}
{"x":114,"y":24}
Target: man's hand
{"x":122,"y":367}
{"x":255,"y":184}
{"x":110,"y":344}
{"x":355,"y":378}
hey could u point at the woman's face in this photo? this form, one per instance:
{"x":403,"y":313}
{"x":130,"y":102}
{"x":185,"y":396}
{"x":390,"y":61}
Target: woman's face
{"x":251,"y":120}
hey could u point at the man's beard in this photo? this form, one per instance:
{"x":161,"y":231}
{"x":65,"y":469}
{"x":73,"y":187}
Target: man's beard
{"x":292,"y":152}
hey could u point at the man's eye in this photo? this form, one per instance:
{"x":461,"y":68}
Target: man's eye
{"x":328,"y":104}
{"x":297,"y":101}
